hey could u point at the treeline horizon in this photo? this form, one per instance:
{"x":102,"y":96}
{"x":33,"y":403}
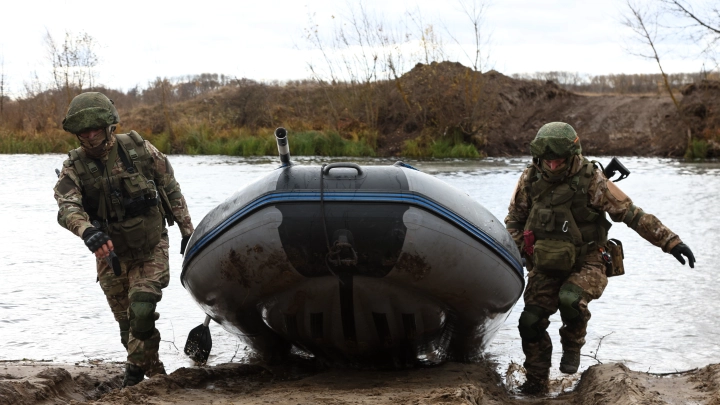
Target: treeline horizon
{"x":15,"y":113}
{"x":335,"y":118}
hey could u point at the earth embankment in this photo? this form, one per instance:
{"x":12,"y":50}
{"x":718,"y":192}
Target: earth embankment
{"x":447,"y":102}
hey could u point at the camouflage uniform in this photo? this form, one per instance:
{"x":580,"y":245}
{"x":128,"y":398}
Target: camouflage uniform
{"x":543,"y":289}
{"x":149,"y":274}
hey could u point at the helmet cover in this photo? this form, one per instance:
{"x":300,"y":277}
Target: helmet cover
{"x":555,"y":140}
{"x":89,"y":111}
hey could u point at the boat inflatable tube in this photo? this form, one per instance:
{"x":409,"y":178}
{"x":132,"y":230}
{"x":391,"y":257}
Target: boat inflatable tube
{"x":366,"y":265}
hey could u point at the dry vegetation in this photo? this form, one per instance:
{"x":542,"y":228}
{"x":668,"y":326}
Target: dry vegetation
{"x":437,"y":109}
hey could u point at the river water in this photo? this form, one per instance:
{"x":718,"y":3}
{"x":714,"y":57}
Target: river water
{"x":660,"y":316}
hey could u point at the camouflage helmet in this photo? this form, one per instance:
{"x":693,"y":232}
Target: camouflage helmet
{"x":89,"y":111}
{"x":555,"y":140}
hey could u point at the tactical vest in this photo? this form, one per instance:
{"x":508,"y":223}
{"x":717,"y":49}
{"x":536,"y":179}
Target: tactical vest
{"x":126,"y":204}
{"x":566,"y":228}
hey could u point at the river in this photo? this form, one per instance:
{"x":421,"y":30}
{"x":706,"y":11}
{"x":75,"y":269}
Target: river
{"x":659,"y":316}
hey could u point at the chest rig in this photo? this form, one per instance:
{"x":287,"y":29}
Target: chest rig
{"x":560,"y":212}
{"x":125,"y":203}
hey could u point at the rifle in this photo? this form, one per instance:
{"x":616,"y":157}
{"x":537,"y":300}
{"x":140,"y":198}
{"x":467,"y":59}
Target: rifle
{"x":615,"y":166}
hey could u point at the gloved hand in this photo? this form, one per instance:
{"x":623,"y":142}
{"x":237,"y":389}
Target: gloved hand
{"x":183,"y":244}
{"x":94,"y":239}
{"x":683,"y":249}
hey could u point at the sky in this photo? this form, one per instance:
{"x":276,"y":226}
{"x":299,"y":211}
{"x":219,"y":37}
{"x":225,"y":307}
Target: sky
{"x":263,"y":40}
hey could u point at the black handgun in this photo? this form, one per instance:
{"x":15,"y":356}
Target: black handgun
{"x":616,"y":166}
{"x":113,"y":261}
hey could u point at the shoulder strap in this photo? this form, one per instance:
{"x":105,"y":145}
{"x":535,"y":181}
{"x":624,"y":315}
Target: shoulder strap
{"x":580,"y":201}
{"x":133,"y":149}
{"x":85,"y":168}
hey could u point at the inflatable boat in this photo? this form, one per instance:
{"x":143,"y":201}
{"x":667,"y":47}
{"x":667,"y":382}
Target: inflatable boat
{"x":366,"y":265}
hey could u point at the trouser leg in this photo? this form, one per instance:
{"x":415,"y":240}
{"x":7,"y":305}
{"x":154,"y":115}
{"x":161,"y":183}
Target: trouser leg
{"x":575,"y":295}
{"x":538,"y":348}
{"x":147,"y":279}
{"x":116,"y":289}
{"x":540,"y":302}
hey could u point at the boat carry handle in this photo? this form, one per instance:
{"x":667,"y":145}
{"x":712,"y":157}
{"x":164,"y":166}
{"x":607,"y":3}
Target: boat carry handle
{"x":343,"y":165}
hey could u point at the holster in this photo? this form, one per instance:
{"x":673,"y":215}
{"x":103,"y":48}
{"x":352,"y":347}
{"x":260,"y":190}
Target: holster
{"x":615,"y":266}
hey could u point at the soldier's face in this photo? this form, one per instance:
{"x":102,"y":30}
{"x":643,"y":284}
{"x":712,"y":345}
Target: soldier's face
{"x":92,"y":134}
{"x":555,"y":163}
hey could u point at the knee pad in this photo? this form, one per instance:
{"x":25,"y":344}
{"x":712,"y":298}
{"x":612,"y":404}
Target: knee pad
{"x":124,"y":332}
{"x":142,"y":314}
{"x":530,"y":325}
{"x":569,"y":300}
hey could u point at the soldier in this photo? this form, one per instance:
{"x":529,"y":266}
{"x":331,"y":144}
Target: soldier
{"x":116,"y":192}
{"x":557,"y":219}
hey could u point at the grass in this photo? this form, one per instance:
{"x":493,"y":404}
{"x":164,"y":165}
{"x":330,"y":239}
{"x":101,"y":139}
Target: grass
{"x":696,"y":150}
{"x":203,"y":139}
{"x":11,"y":142}
{"x":442,"y":148}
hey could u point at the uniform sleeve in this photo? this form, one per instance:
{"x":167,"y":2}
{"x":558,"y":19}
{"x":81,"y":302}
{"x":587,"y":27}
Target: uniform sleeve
{"x":68,"y":194}
{"x":519,"y":210}
{"x":606,"y":196}
{"x":165,"y":178}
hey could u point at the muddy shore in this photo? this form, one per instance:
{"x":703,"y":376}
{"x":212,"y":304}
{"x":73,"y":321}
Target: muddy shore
{"x":303,"y":382}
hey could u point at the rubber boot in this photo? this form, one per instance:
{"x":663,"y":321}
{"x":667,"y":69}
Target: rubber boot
{"x":133,"y":375}
{"x":536,"y":382}
{"x":570,"y":361}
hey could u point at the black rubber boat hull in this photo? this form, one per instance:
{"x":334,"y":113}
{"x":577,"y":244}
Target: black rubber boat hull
{"x":425,"y":273}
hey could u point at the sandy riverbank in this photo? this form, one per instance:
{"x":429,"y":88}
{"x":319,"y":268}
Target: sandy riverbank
{"x":301,"y":382}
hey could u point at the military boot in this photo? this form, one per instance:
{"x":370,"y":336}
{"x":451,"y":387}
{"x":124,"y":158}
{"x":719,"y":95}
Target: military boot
{"x":156,"y":369}
{"x":133,"y":375}
{"x":570,"y":361}
{"x":536,"y":383}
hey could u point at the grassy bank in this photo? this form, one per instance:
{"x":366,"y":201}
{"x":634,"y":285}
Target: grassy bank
{"x":204,"y":140}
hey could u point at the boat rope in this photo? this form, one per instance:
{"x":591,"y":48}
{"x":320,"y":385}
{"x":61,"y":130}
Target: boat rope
{"x":322,"y":214}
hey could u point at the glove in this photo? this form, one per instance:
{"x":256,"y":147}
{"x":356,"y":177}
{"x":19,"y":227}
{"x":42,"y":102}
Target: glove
{"x":94,"y":238}
{"x":683,"y":249}
{"x":183,"y":244}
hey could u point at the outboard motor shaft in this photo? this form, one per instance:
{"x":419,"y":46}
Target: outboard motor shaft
{"x":282,"y":144}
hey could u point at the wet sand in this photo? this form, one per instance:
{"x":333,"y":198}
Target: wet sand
{"x":301,"y":381}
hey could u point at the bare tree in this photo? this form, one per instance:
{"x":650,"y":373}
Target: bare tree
{"x":431,"y":43}
{"x":703,"y":27}
{"x":644,"y":24}
{"x":73,"y":62}
{"x":2,"y":89}
{"x":475,"y":11}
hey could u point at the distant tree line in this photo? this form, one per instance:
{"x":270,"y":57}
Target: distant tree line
{"x":41,"y":108}
{"x":620,"y":83}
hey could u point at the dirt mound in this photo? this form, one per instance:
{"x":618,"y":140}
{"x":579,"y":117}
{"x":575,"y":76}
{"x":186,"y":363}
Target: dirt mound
{"x":31,"y":383}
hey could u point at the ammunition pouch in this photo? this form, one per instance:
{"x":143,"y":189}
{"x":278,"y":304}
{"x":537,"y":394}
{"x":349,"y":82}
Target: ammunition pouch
{"x":139,"y":235}
{"x":553,"y":256}
{"x":615,"y":267}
